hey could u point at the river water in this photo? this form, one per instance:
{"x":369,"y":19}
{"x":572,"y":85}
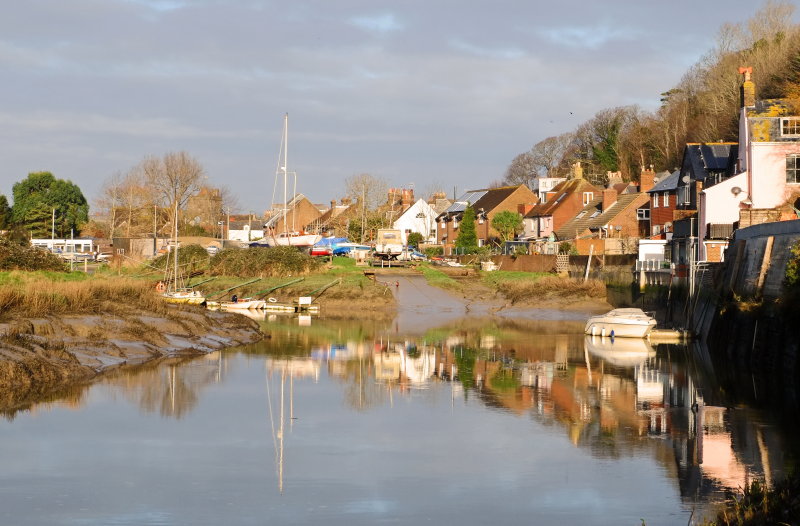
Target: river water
{"x":461,"y":420}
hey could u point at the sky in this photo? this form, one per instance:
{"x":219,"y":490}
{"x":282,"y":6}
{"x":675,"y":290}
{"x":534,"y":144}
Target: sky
{"x":421,"y":93}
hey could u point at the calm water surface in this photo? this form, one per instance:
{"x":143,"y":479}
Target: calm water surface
{"x":474,"y":422}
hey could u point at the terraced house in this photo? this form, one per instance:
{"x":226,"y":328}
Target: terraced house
{"x":486,"y":202}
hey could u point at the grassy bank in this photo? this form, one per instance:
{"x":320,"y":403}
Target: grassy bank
{"x":758,"y":505}
{"x":530,"y":286}
{"x":39,"y":294}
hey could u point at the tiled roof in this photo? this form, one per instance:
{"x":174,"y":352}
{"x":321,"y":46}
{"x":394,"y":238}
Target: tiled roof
{"x":591,"y":221}
{"x":667,"y":183}
{"x":561,"y":191}
{"x":487,"y":199}
{"x":581,"y":221}
{"x":706,"y":157}
{"x":272,"y":222}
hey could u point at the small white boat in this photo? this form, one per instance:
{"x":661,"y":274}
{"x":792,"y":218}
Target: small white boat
{"x":243,"y":304}
{"x":184,"y":296}
{"x":621,"y":323}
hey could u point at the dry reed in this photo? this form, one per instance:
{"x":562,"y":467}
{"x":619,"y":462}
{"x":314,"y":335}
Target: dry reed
{"x":553,"y":287}
{"x":41,"y":297}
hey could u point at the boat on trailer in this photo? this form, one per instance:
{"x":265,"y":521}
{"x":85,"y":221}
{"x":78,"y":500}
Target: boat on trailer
{"x":621,"y":323}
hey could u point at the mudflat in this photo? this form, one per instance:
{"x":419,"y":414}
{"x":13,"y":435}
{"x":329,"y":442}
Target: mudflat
{"x":41,"y":355}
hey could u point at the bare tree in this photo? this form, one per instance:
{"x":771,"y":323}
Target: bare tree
{"x":367,"y":189}
{"x":175,"y":177}
{"x":521,"y":170}
{"x":549,"y":153}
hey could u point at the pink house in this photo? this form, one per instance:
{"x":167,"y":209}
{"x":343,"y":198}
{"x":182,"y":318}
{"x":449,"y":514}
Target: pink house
{"x":767,"y":175}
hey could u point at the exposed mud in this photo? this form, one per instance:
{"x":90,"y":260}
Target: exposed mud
{"x":39,"y":356}
{"x":421,"y":306}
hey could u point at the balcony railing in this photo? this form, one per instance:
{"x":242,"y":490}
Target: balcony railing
{"x":719,"y":231}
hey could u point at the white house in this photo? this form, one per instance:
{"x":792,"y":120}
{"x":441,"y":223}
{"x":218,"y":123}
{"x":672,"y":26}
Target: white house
{"x":768,"y":174}
{"x":246,"y":231}
{"x":419,"y":217}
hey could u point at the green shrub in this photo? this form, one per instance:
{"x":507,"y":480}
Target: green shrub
{"x":186,"y":254}
{"x":15,"y":256}
{"x":249,"y":262}
{"x":437,"y":250}
{"x":792,"y":278}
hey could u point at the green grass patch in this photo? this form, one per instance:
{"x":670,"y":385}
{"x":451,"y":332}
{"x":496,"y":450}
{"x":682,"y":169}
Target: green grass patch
{"x":498,"y":278}
{"x":437,"y":278}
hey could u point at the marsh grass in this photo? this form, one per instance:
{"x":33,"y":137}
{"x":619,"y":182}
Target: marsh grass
{"x":551,"y":287}
{"x":38,"y":295}
{"x":437,"y":278}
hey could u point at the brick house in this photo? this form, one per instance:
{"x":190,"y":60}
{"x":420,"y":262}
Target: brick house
{"x":299,"y":215}
{"x":612,"y":222}
{"x":563,"y":203}
{"x":663,"y":201}
{"x":703,"y":165}
{"x":486,"y":203}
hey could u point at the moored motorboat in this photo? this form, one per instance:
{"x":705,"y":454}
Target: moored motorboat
{"x":621,"y":323}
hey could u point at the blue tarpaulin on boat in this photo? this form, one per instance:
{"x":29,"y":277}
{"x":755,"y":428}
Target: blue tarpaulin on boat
{"x":330,"y":241}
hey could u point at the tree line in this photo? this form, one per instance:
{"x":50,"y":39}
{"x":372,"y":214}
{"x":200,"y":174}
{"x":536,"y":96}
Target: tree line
{"x":702,"y":107}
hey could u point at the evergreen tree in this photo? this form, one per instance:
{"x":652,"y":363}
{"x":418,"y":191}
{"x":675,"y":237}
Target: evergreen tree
{"x":38,"y":195}
{"x":5,"y":213}
{"x":467,"y":240}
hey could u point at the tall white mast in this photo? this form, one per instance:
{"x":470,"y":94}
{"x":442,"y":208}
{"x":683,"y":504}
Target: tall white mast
{"x":285,"y":171}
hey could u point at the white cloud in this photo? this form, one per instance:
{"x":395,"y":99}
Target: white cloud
{"x":385,"y":23}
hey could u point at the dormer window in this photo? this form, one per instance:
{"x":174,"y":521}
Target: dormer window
{"x":790,"y":126}
{"x":587,"y":197}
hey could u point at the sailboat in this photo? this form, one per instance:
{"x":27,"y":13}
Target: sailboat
{"x":290,"y":236}
{"x":176,"y":290}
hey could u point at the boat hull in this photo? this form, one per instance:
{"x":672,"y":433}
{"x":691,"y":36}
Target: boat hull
{"x":301,"y":241}
{"x":184,"y":298}
{"x":243,"y":304}
{"x":621,"y":323}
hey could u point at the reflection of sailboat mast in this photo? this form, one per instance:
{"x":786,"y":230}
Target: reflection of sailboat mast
{"x":280,"y":435}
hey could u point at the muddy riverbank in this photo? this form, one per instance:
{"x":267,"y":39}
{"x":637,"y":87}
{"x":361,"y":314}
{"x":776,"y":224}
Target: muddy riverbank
{"x":41,"y":355}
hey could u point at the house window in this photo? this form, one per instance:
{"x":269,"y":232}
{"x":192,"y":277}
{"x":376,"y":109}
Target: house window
{"x":643,"y":214}
{"x":790,"y":127}
{"x":655,"y":200}
{"x":455,"y":223}
{"x":442,"y":224}
{"x":587,"y":197}
{"x":656,"y":230}
{"x":683,"y":195}
{"x":665,"y":199}
{"x":793,"y":168}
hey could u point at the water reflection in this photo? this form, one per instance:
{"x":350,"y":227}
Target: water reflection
{"x":613,"y":399}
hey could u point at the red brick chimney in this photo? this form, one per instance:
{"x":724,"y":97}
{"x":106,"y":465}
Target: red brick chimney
{"x":647,"y":179}
{"x":748,"y":93}
{"x":609,"y":197}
